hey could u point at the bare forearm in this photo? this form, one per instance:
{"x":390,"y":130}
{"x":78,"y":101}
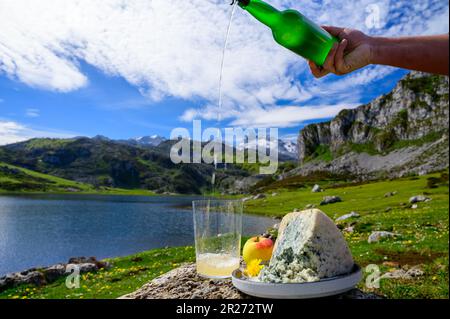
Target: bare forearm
{"x":423,"y":53}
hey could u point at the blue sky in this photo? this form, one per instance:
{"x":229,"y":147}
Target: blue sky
{"x":128,"y":69}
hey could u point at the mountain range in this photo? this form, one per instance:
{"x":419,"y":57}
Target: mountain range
{"x":400,"y":133}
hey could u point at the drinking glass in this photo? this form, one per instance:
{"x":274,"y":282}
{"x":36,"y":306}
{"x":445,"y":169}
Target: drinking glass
{"x":218,"y":229}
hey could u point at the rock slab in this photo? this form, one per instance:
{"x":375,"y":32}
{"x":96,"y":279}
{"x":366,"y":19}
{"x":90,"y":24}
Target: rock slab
{"x":46,"y":275}
{"x":330,"y":200}
{"x":184,"y":283}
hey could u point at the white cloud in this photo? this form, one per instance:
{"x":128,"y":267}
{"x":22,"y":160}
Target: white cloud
{"x":288,"y":116}
{"x":13,"y":132}
{"x":289,"y":138}
{"x":32,"y":113}
{"x":173,"y":48}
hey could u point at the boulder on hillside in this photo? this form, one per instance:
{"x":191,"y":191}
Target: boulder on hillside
{"x":405,"y":274}
{"x":89,"y":260}
{"x":330,"y":200}
{"x":390,"y":194}
{"x":419,"y":199}
{"x":347,"y":216}
{"x":378,"y":235}
{"x":259,"y":196}
{"x":54,"y":272}
{"x":42,"y":276}
{"x":316,"y":189}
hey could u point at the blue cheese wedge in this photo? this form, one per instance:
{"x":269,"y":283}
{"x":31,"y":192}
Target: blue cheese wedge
{"x":309,"y":248}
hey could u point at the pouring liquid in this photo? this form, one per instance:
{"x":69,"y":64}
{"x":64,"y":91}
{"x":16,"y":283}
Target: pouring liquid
{"x":220,"y":103}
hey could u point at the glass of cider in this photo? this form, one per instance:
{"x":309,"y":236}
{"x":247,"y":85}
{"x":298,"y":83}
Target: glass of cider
{"x":217,"y":229}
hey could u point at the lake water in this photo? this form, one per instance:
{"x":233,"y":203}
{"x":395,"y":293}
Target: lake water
{"x":40,"y":230}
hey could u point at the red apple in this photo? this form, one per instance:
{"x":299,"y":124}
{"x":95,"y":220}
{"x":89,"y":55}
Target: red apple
{"x":258,"y":248}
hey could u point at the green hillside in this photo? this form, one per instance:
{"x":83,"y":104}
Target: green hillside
{"x":14,"y":179}
{"x":113,"y":164}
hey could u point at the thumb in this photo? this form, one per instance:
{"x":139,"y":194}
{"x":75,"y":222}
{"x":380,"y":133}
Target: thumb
{"x":333,"y":30}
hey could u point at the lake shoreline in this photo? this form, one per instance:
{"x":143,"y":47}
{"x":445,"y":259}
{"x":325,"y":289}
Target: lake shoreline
{"x":116,"y":192}
{"x":46,"y":229}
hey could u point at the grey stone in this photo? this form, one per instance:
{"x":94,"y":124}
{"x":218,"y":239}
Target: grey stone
{"x":260,"y":196}
{"x":87,"y":267}
{"x":82,"y":260}
{"x":46,"y":275}
{"x":89,"y":260}
{"x":316,"y":189}
{"x":167,"y":287}
{"x":390,"y":194}
{"x":419,"y":199}
{"x":349,"y":229}
{"x":396,"y":274}
{"x":377,"y":235}
{"x":310,"y":206}
{"x":34,"y":277}
{"x":347,"y":216}
{"x":404,"y":274}
{"x":330,"y":200}
{"x":415,"y":272}
{"x":54,"y":272}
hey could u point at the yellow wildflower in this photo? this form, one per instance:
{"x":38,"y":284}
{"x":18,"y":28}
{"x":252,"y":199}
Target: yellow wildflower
{"x":254,"y":267}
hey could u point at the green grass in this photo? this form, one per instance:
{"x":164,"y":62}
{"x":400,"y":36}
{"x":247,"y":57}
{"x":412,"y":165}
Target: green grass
{"x":424,"y":85}
{"x":28,"y":181}
{"x":50,"y":143}
{"x":429,"y":138}
{"x":423,"y":240}
{"x":424,"y":232}
{"x":368,"y":148}
{"x":126,"y":275}
{"x":389,"y":143}
{"x":321,"y":153}
{"x":364,"y":198}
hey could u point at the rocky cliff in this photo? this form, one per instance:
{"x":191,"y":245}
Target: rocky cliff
{"x":398,"y":133}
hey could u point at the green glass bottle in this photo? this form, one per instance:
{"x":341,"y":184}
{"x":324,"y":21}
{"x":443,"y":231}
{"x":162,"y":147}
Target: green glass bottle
{"x":292,"y":30}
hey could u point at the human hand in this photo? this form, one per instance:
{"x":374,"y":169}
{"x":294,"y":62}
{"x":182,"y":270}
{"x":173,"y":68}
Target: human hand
{"x":354,"y":51}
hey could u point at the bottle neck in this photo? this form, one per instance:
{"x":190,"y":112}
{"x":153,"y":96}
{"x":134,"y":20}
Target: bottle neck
{"x":262,"y":11}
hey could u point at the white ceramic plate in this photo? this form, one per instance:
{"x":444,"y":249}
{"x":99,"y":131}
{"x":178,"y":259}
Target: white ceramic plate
{"x":326,"y":287}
